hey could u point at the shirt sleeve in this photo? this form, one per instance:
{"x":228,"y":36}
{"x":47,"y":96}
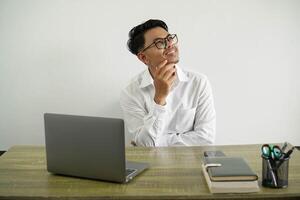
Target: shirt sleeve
{"x":205,"y":121}
{"x":145,"y":126}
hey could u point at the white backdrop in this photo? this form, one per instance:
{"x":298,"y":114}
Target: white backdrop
{"x":71,"y":57}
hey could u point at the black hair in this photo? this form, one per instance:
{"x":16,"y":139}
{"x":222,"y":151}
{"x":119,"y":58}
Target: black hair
{"x":136,"y":39}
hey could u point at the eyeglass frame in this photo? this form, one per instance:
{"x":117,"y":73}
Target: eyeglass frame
{"x":165,"y":41}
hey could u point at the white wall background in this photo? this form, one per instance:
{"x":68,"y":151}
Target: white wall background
{"x":71,"y":57}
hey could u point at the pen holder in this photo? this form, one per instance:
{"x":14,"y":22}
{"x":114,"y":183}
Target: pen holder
{"x":275,"y":173}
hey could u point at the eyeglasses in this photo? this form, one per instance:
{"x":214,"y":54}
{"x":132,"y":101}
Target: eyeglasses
{"x":162,"y":43}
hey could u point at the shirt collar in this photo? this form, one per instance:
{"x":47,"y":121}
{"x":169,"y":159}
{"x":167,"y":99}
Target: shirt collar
{"x":146,"y":78}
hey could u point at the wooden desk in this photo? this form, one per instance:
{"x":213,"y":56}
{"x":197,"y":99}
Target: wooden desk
{"x":175,"y":173}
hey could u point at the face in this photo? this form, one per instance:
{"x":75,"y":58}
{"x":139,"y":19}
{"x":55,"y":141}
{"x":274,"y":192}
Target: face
{"x":152,"y":56}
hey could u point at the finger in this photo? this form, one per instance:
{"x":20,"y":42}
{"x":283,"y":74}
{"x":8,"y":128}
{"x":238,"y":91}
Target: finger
{"x":172,"y":78}
{"x":161,"y":72}
{"x":156,"y":69}
{"x":169,"y":73}
{"x":162,"y":63}
{"x":166,"y":68}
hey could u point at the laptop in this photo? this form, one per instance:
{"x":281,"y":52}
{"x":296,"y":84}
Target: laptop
{"x":88,"y":147}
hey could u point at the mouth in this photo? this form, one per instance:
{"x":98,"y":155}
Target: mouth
{"x":170,"y":52}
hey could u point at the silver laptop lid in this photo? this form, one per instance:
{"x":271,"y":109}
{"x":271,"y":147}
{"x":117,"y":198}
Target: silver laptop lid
{"x":82,"y":146}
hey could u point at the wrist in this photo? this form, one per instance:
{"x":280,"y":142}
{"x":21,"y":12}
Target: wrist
{"x":160,"y":101}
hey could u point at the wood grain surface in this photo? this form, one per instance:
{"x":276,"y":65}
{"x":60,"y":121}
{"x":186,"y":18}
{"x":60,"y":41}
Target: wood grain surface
{"x":174,"y":173}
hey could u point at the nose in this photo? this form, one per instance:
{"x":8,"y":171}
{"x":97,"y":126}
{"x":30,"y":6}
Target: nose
{"x":169,"y":44}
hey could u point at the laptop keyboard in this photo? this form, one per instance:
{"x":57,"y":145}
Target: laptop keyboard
{"x":130,"y":171}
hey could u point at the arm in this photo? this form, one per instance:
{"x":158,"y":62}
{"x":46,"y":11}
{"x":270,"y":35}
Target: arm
{"x":146,"y":126}
{"x":205,"y":121}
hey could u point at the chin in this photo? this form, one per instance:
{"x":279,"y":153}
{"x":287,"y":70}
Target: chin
{"x":175,"y":61}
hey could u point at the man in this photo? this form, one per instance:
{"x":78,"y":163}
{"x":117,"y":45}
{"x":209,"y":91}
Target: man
{"x":165,"y":105}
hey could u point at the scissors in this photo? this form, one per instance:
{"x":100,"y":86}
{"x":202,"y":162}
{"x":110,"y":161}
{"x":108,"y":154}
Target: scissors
{"x":271,"y":152}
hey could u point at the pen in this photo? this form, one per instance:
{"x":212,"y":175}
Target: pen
{"x":271,"y":171}
{"x":289,"y":152}
{"x":284,"y":147}
{"x":284,"y":157}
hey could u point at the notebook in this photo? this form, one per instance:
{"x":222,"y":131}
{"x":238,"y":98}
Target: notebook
{"x":230,"y":186}
{"x":229,"y":169}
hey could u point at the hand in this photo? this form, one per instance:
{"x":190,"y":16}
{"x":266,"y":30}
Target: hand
{"x":164,"y":76}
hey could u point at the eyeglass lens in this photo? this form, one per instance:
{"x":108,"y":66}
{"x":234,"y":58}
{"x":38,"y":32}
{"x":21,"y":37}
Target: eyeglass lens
{"x":163,"y":43}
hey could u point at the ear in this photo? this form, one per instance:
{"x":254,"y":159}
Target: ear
{"x":142,"y":57}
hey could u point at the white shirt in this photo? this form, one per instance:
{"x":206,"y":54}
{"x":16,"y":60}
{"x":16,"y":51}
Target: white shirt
{"x":188,"y":118}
